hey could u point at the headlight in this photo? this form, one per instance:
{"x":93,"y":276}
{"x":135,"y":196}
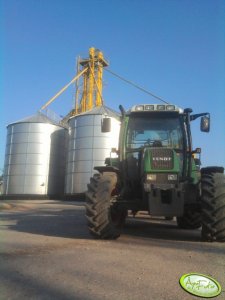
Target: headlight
{"x":172,"y":177}
{"x":151,"y":177}
{"x":149,"y":107}
{"x":170,"y":107}
{"x":139,"y":107}
{"x":160,"y":107}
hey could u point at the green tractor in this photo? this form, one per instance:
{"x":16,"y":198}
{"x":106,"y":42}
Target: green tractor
{"x":157,"y":171}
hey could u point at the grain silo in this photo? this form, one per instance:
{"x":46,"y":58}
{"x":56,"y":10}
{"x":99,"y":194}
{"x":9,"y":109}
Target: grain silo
{"x":35,"y":158}
{"x":88,"y":146}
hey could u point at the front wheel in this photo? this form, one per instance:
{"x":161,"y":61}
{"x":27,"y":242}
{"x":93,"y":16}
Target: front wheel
{"x":213,"y":206}
{"x":105,"y":218}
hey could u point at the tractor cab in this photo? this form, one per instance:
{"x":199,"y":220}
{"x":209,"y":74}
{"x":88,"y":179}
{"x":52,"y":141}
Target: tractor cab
{"x":156,"y":149}
{"x":154,"y":146}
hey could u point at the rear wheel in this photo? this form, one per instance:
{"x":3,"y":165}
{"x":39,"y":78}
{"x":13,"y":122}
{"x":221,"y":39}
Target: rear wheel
{"x":213,"y":206}
{"x":105,"y":218}
{"x":190,"y":220}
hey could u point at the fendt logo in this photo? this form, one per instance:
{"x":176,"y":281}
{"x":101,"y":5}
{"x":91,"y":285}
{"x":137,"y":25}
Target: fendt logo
{"x":162,"y":158}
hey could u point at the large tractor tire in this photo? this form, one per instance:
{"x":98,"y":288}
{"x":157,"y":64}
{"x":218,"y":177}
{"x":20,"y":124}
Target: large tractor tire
{"x":190,"y":220}
{"x":213,"y":205}
{"x":105,"y":218}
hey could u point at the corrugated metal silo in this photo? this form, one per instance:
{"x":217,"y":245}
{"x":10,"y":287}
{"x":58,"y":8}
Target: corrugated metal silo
{"x":88,"y":146}
{"x":35,"y":157}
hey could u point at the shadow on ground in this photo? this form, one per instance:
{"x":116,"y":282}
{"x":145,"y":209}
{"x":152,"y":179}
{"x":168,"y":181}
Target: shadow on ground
{"x":52,"y":220}
{"x":159,"y":229}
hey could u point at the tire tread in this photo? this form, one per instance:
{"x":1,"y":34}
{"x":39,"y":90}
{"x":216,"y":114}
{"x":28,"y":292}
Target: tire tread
{"x":213,"y":207}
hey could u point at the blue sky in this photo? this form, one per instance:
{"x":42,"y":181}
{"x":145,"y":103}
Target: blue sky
{"x":174,"y":48}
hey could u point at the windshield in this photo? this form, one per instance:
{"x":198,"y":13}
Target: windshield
{"x":155,"y":132}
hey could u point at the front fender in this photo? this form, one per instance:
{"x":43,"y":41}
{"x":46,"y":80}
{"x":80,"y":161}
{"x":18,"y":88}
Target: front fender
{"x":103,"y":169}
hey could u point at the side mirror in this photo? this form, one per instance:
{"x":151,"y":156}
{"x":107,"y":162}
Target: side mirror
{"x":205,"y":124}
{"x":106,"y":124}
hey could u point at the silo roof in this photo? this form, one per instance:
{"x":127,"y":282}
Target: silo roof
{"x":37,"y":118}
{"x":101,"y":110}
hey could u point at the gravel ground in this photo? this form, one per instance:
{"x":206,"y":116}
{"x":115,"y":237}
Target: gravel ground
{"x":46,"y":252}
